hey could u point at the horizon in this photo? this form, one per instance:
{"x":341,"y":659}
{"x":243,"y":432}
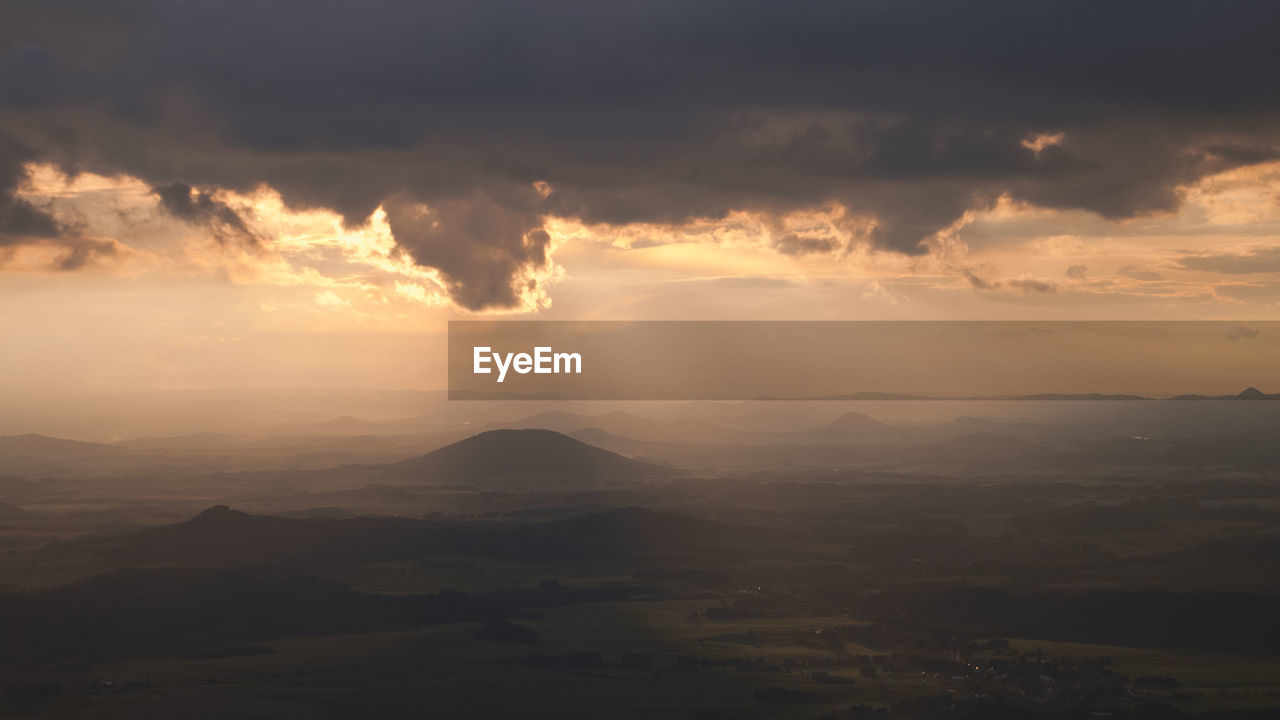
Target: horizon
{"x":648,"y":360}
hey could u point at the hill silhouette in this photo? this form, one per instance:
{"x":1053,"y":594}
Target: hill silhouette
{"x":629,"y":426}
{"x":34,"y":455}
{"x":1249,"y":393}
{"x":514,"y":453}
{"x":856,"y":427}
{"x":35,"y":444}
{"x":222,"y":537}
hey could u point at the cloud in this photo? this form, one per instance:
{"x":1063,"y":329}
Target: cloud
{"x":1078,"y":272}
{"x":24,"y":224}
{"x":329,"y":298}
{"x":20,"y":221}
{"x":753,"y":282}
{"x":201,"y":208}
{"x":793,"y":244}
{"x":1261,"y":260}
{"x":911,"y":113}
{"x":977,"y":282}
{"x":1253,"y":294}
{"x":1132,"y":271}
{"x":490,"y":253}
{"x":1025,"y":285}
{"x":85,"y":252}
{"x":1033,"y":286}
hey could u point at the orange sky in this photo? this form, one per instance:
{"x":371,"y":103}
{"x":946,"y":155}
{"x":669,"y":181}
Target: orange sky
{"x":315,"y":303}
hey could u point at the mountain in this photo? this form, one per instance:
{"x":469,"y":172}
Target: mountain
{"x":1252,"y":393}
{"x":1076,"y":396}
{"x":1249,"y":393}
{"x":866,"y":395}
{"x":45,"y":446}
{"x":631,"y":426}
{"x":855,"y":427}
{"x":217,"y":533}
{"x":36,"y":455}
{"x":500,"y":454}
{"x":221,"y":535}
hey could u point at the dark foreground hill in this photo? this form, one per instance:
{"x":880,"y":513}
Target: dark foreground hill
{"x":209,"y":613}
{"x":221,"y":536}
{"x":500,"y":454}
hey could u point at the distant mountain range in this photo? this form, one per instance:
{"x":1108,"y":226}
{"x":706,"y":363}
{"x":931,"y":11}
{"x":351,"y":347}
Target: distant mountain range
{"x":1250,"y":393}
{"x":624,"y":446}
{"x":34,"y":455}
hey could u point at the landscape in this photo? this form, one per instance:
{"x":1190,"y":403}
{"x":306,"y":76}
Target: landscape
{"x":643,"y":360}
{"x":362,"y":554}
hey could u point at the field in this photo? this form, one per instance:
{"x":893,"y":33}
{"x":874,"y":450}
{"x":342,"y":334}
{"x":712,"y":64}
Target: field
{"x":836,"y":580}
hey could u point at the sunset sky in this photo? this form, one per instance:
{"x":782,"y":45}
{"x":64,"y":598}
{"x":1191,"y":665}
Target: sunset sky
{"x":251,"y":195}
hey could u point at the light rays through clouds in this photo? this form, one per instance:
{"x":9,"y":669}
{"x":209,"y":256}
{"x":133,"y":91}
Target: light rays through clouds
{"x":1215,"y":250}
{"x":395,"y":165}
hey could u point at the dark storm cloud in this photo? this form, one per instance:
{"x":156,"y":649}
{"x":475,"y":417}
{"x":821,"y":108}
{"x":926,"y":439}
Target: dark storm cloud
{"x":793,"y":244}
{"x":29,"y":75}
{"x":479,"y":244}
{"x":199,"y":207}
{"x":20,"y":221}
{"x":910,"y":112}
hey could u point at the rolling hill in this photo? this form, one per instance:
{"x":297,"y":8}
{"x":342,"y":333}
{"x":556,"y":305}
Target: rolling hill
{"x":505,"y":454}
{"x":856,"y":427}
{"x":632,"y":426}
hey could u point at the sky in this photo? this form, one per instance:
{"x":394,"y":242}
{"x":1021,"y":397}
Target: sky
{"x":234,"y":194}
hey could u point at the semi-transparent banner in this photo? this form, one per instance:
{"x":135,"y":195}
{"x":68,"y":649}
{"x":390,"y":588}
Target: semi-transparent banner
{"x":872,"y":360}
